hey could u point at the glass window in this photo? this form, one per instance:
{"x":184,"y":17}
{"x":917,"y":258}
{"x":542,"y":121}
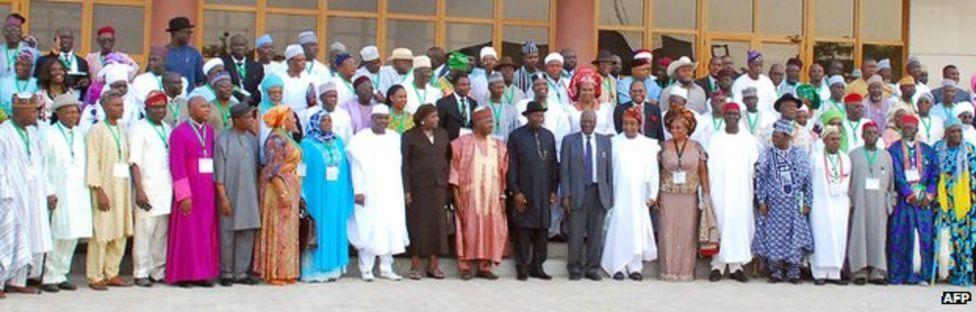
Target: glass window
{"x":219,"y":24}
{"x":285,"y":29}
{"x":673,"y":46}
{"x":536,"y":10}
{"x":353,"y":32}
{"x":735,"y":49}
{"x":467,"y":37}
{"x":68,"y":15}
{"x":352,"y":5}
{"x":234,"y":2}
{"x":730,"y":15}
{"x":426,"y":7}
{"x":414,"y":35}
{"x":5,"y":9}
{"x":470,"y":8}
{"x":675,"y":14}
{"x":303,"y":4}
{"x":781,"y":17}
{"x":826,"y":52}
{"x":621,"y":43}
{"x":128,"y":24}
{"x":622,"y":12}
{"x":778,"y":53}
{"x":884,"y":20}
{"x":880,"y":52}
{"x":514,"y":36}
{"x":833,"y":18}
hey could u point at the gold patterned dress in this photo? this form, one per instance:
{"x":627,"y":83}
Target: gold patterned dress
{"x":276,"y":254}
{"x":678,"y":215}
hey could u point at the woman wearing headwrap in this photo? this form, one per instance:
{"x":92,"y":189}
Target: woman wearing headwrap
{"x":584,"y":90}
{"x":328,"y":193}
{"x":400,"y":119}
{"x":683,"y":164}
{"x":458,"y":63}
{"x":965,"y":113}
{"x":956,"y":219}
{"x":276,"y":255}
{"x":832,"y":117}
{"x":22,"y":81}
{"x":271,"y":90}
{"x":116,"y":81}
{"x":831,"y":171}
{"x":426,"y":153}
{"x":98,"y":76}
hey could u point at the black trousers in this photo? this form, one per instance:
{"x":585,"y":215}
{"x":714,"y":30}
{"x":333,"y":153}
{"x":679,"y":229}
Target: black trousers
{"x":530,"y":248}
{"x":586,"y":226}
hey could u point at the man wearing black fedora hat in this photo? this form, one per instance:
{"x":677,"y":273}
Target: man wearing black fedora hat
{"x":183,"y":58}
{"x":604,"y":65}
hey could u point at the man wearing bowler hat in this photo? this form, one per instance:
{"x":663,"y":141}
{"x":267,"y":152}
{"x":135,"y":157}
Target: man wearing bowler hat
{"x":183,"y":58}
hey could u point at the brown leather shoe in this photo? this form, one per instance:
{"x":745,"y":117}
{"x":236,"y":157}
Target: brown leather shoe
{"x":117,"y":282}
{"x":486,"y":275}
{"x":99,"y":286}
{"x":22,"y":290}
{"x":466,"y":275}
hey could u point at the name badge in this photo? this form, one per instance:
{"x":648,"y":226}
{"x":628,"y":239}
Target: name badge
{"x":205,"y":165}
{"x":872,"y":184}
{"x":837,"y":189}
{"x":332,"y":173}
{"x":301,"y":170}
{"x":912,"y":175}
{"x":679,"y":177}
{"x":120,"y":170}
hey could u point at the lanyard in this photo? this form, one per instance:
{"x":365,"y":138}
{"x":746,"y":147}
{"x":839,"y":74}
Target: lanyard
{"x":24,"y":137}
{"x":174,"y":108}
{"x":160,"y":130}
{"x":680,"y":151}
{"x":872,"y":157}
{"x":376,"y":81}
{"x":115,"y":135}
{"x":555,"y":89}
{"x":509,"y":95}
{"x":752,"y":122}
{"x":348,"y":85}
{"x":854,"y":126}
{"x":496,"y":111}
{"x":717,"y":122}
{"x":68,"y":62}
{"x":329,"y":150}
{"x":927,"y":123}
{"x":22,"y":87}
{"x":309,"y":69}
{"x":201,"y":137}
{"x":421,"y":100}
{"x":835,"y":167}
{"x":11,"y":58}
{"x":159,"y":81}
{"x":398,"y":122}
{"x":241,"y":69}
{"x":68,"y":138}
{"x":224,"y":113}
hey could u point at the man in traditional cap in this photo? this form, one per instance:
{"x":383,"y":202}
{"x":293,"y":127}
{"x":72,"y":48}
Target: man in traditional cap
{"x":532,"y":180}
{"x":508,"y":68}
{"x":107,"y":175}
{"x":236,"y":166}
{"x":488,"y":59}
{"x":682,"y":72}
{"x":335,"y":49}
{"x":116,"y":80}
{"x":953,"y":225}
{"x":869,"y":68}
{"x":932,"y":129}
{"x":608,"y":87}
{"x":419,"y":90}
{"x":153,"y":78}
{"x":299,"y":85}
{"x":369,"y":59}
{"x":916,"y":175}
{"x":245,"y":73}
{"x":853,"y":122}
{"x":379,"y":227}
{"x":455,"y":109}
{"x":329,"y":101}
{"x":479,"y":197}
{"x":264,"y":46}
{"x":222,"y":102}
{"x":943,"y":109}
{"x":838,"y":89}
{"x":153,"y":187}
{"x":756,"y":121}
{"x":951,"y":73}
{"x":884,"y":70}
{"x":556,"y":118}
{"x":830,"y":207}
{"x":20,"y":81}
{"x":530,"y":64}
{"x":765,"y":89}
{"x":105,"y":36}
{"x":793,"y":68}
{"x":212,"y":68}
{"x":310,"y":47}
{"x":640,"y":70}
{"x":344,"y":71}
{"x":15,"y":41}
{"x":783,"y":183}
{"x":731,"y":179}
{"x":183,"y":58}
{"x":877,"y":104}
{"x":557,"y":86}
{"x":906,"y":95}
{"x":502,"y":105}
{"x":398,"y":71}
{"x":871,"y":185}
{"x":64,"y":148}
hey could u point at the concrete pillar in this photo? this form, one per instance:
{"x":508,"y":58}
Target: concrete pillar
{"x":163,"y":11}
{"x":576,"y":28}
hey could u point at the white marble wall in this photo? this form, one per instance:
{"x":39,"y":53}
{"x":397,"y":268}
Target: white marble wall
{"x":941,"y":33}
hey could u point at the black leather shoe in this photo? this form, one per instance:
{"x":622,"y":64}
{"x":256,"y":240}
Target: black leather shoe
{"x":594,"y":276}
{"x":839,"y":282}
{"x":795,"y":281}
{"x":715,"y":276}
{"x":66,"y":285}
{"x":250,"y":280}
{"x":819,"y":282}
{"x":51,"y":288}
{"x":740,"y":276}
{"x":774,"y":280}
{"x":619,"y":276}
{"x":880,"y":282}
{"x":206,"y":284}
{"x":226,"y":282}
{"x":143,"y":282}
{"x":540,"y":274}
{"x":575,"y":276}
{"x":184,"y":284}
{"x":860,"y":281}
{"x":522,"y":276}
{"x":636,"y":276}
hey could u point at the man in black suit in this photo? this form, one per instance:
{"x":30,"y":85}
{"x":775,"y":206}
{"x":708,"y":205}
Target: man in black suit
{"x":710,"y":81}
{"x":455,"y":110}
{"x":245,"y":73}
{"x":74,"y":65}
{"x":652,"y":114}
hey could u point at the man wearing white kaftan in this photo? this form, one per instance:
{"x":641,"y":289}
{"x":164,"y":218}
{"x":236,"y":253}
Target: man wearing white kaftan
{"x":831,"y":209}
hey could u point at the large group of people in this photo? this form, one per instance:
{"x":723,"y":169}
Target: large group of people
{"x":248,"y":169}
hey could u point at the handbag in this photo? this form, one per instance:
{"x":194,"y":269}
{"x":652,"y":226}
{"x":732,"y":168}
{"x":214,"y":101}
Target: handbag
{"x":307,"y":237}
{"x":708,"y":234}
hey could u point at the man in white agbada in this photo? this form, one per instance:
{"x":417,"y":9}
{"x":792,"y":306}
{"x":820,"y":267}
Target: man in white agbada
{"x":630,"y":235}
{"x":488,"y":57}
{"x":211,"y":68}
{"x":731,"y":177}
{"x":964,"y":112}
{"x":831,"y":208}
{"x":369,"y":59}
{"x":298,"y":83}
{"x":328,"y":100}
{"x":309,"y":43}
{"x":765,"y":89}
{"x":153,"y":188}
{"x":931,"y":128}
{"x":555,"y":84}
{"x":419,"y":90}
{"x":14,"y":248}
{"x":64,"y":146}
{"x":398,"y":72}
{"x":26,"y":166}
{"x":854,"y":122}
{"x":557,"y":119}
{"x":116,"y":79}
{"x":378,"y":225}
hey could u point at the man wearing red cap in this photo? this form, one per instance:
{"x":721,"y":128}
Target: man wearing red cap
{"x":15,"y":41}
{"x":731,"y":179}
{"x":148,"y":161}
{"x":106,"y":41}
{"x":854,"y":122}
{"x":871,"y":182}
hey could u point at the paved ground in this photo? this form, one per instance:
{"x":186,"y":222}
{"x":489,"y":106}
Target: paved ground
{"x":507,"y":294}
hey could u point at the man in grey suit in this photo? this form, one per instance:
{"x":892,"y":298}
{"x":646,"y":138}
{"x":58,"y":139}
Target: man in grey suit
{"x":587,"y":179}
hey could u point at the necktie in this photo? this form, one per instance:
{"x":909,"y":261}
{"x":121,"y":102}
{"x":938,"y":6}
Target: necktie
{"x":588,"y":159}
{"x":640,"y":110}
{"x":464,"y":111}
